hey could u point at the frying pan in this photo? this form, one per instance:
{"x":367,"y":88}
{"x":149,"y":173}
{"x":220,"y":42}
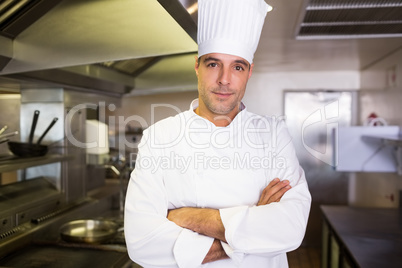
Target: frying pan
{"x":30,"y":149}
{"x":88,"y":231}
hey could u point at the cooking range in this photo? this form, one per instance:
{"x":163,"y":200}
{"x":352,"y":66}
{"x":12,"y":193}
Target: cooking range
{"x":59,"y":253}
{"x":36,"y":240}
{"x":59,"y":186}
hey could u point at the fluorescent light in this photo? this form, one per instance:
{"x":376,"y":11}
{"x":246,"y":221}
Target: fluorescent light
{"x":193,"y":8}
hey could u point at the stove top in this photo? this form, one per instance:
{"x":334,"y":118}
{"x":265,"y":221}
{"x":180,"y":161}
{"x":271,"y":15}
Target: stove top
{"x":51,"y":256}
{"x":62,"y":254}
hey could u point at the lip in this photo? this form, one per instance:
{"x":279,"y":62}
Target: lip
{"x":222,"y":95}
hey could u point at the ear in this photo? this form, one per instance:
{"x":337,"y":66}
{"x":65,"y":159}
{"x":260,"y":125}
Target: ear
{"x":251,"y":70}
{"x":196,"y":65}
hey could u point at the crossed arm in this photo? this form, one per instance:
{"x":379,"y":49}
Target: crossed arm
{"x":207,"y":221}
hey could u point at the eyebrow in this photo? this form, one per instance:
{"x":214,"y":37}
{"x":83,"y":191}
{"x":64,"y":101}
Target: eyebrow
{"x":242,"y":62}
{"x":207,"y":59}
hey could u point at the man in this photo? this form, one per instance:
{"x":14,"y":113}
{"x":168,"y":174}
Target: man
{"x":218,"y":186}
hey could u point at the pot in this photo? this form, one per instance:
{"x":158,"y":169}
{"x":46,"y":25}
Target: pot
{"x":30,"y":149}
{"x":88,"y":231}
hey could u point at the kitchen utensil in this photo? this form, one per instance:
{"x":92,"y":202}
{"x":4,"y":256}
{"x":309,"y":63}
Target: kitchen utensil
{"x":31,"y":149}
{"x":8,"y":135}
{"x":22,"y":149}
{"x":33,"y":126}
{"x":3,"y":129}
{"x":88,"y":231}
{"x":47,"y":130}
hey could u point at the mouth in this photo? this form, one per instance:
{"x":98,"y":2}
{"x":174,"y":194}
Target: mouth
{"x":222,"y":95}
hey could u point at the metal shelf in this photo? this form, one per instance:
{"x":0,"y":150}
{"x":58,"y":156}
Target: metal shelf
{"x":11,"y":163}
{"x":392,"y":140}
{"x":395,"y":140}
{"x":366,"y":149}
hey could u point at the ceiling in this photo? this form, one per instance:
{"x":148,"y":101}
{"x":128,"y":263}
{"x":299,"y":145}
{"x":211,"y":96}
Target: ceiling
{"x":141,"y":47}
{"x":279,"y":50}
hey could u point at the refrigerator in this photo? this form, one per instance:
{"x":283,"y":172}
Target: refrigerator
{"x":312,"y":117}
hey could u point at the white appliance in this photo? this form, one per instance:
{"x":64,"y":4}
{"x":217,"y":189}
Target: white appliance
{"x":97,"y":142}
{"x":366,"y":149}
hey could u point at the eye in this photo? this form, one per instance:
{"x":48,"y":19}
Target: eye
{"x":239,"y":68}
{"x":212,"y":64}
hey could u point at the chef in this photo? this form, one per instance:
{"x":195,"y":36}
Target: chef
{"x":218,"y":186}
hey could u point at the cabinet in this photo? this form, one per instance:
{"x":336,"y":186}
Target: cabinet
{"x":334,"y":253}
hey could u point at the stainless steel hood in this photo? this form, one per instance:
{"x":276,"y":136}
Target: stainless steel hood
{"x":12,"y":24}
{"x":115,"y":46}
{"x":17,"y":15}
{"x":349,"y":19}
{"x":93,"y":45}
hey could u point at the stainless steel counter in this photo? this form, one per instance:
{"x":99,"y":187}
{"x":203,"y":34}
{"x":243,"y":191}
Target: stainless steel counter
{"x":364,"y":237}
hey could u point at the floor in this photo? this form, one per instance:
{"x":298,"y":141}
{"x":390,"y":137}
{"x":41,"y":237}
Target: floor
{"x":305,"y":257}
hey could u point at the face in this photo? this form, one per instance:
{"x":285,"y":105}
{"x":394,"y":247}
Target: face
{"x":222,"y":81}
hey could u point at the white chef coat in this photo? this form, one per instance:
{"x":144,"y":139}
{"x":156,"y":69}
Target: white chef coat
{"x":186,"y":161}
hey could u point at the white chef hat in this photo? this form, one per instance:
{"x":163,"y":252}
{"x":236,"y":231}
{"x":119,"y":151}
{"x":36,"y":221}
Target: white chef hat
{"x":230,"y":26}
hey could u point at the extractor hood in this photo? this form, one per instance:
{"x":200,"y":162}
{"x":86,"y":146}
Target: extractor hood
{"x":350,"y":19}
{"x":16,"y":16}
{"x":93,"y":44}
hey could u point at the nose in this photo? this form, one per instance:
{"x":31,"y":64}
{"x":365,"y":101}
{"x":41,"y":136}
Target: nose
{"x":224,"y":77}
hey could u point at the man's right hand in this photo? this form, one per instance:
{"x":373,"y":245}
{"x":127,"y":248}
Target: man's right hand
{"x":273,"y":192}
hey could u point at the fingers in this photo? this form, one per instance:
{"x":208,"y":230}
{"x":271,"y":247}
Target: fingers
{"x":278,"y":195}
{"x":273,"y":192}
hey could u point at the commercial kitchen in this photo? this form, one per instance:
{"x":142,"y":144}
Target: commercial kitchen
{"x":80,"y":80}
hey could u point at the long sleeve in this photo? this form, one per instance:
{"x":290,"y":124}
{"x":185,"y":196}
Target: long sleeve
{"x":152,"y":240}
{"x":278,"y":227}
{"x":187,"y":162}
